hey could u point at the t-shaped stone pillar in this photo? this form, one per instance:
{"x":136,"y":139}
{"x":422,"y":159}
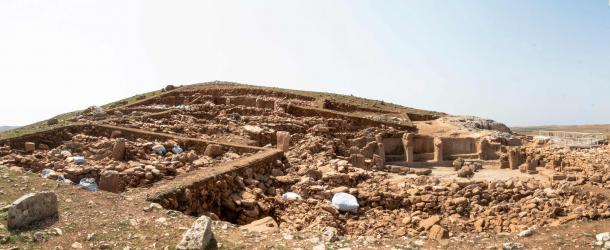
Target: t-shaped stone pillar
{"x":408,"y":144}
{"x":438,"y":149}
{"x":283,"y":140}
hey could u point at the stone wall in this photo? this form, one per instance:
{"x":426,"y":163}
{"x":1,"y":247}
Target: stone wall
{"x":354,"y":120}
{"x":346,"y":107}
{"x":57,"y":136}
{"x":51,"y":138}
{"x":424,"y":117}
{"x":221,"y":191}
{"x":218,"y":96}
{"x":393,"y":146}
{"x":459,"y":146}
{"x":248,"y":101}
{"x":423,"y":144}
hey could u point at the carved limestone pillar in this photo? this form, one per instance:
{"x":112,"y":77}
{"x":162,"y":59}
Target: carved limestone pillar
{"x":438,"y":149}
{"x":408,"y":143}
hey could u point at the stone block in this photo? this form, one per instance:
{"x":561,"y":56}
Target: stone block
{"x":32,"y":208}
{"x":283,"y":140}
{"x":30,"y":147}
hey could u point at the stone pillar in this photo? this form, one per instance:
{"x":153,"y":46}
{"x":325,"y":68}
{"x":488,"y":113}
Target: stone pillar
{"x":111,"y":181}
{"x":513,"y":158}
{"x":381,"y":152}
{"x":408,"y":144}
{"x":357,"y":160}
{"x":379,"y":138}
{"x":259,"y":102}
{"x":483,"y":149}
{"x":380,"y":147}
{"x":438,"y":149}
{"x":118,"y":151}
{"x":283,"y":140}
{"x":504,"y":162}
{"x":370,"y":149}
{"x":354,"y":150}
{"x":378,"y":162}
{"x":276,"y":106}
{"x":30,"y":147}
{"x":532,"y":165}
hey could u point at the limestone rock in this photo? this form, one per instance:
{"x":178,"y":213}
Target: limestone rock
{"x":31,"y":208}
{"x":330,"y":234}
{"x":213,"y":150}
{"x":199,"y":236}
{"x":266,"y":224}
{"x":479,"y":225}
{"x":526,"y":233}
{"x":465,"y":172}
{"x":428,"y":223}
{"x":118,"y":151}
{"x":422,"y":171}
{"x":512,"y":246}
{"x":283,"y":140}
{"x":458,"y":163}
{"x":438,"y":233}
{"x":30,"y":147}
{"x":111,"y":181}
{"x":603,"y":236}
{"x":253,"y":129}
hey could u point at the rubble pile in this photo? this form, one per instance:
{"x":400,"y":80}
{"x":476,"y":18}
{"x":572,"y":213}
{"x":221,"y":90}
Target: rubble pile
{"x":581,"y":166}
{"x":397,"y":206}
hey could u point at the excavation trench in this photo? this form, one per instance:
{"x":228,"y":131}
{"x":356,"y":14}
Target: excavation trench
{"x":138,"y":167}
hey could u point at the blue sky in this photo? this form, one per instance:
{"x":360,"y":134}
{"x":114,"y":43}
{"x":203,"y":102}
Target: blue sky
{"x":519,"y":62}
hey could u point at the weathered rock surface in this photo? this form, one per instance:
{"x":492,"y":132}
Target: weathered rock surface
{"x":111,"y":181}
{"x":32,"y":208}
{"x":199,"y":236}
{"x":30,"y":147}
{"x":213,"y":150}
{"x":438,"y":233}
{"x":266,"y":224}
{"x":118,"y":151}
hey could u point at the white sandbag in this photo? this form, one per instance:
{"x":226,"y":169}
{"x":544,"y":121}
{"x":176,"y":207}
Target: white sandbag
{"x":345,"y":202}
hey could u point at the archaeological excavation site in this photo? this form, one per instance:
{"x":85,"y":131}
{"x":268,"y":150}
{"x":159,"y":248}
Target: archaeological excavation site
{"x":231,"y":166}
